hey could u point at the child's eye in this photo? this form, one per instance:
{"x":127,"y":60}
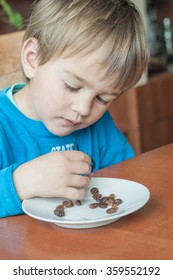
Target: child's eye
{"x":70,"y":88}
{"x":101,"y":100}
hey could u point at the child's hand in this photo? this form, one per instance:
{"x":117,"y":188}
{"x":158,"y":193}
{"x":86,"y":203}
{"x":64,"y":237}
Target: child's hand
{"x":57,"y":174}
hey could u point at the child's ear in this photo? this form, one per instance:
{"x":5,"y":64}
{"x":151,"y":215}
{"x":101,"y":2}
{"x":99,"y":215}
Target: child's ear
{"x":29,"y":57}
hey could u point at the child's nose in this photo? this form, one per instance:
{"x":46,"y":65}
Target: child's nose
{"x":82,"y":106}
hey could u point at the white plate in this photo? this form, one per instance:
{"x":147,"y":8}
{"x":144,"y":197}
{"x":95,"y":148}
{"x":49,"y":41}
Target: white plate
{"x":133,"y":194}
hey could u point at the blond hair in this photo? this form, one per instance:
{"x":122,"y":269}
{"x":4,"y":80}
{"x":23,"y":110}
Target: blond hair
{"x":70,"y":27}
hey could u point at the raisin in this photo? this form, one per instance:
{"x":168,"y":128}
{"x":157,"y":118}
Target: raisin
{"x":94,"y":190}
{"x":104,"y":199}
{"x":103,"y":205}
{"x":114,"y":205}
{"x":59,"y":211}
{"x":111,"y":210}
{"x":110,"y":201}
{"x":68,"y":203}
{"x":97,"y":197}
{"x":94,"y":205}
{"x":60,"y":206}
{"x":118,"y":201}
{"x":78,"y":202}
{"x":112,"y":195}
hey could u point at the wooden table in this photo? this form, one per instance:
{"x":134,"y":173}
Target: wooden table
{"x":145,"y":234}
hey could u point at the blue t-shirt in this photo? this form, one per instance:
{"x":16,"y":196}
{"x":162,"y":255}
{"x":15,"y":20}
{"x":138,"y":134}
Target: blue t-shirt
{"x":23,"y":139}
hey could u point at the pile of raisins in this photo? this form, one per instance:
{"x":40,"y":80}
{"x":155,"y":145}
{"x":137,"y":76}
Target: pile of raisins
{"x":105,"y":201}
{"x":60,"y":209}
{"x":109,"y":202}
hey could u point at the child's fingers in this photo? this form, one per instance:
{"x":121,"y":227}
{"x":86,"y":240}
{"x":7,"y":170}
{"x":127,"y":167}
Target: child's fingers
{"x":74,"y":193}
{"x":78,"y":156}
{"x":79,"y":167}
{"x":81,"y":162}
{"x":78,"y":181}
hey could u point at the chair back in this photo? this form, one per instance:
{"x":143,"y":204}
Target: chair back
{"x":10,"y":67}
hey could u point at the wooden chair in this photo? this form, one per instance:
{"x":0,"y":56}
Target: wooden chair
{"x":10,"y":69}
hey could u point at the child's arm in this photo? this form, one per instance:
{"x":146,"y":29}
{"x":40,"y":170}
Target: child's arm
{"x":56,"y":174}
{"x":10,"y":203}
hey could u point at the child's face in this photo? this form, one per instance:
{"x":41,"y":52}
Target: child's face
{"x":68,"y":94}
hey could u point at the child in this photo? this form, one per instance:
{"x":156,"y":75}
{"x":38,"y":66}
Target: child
{"x":77,"y":58}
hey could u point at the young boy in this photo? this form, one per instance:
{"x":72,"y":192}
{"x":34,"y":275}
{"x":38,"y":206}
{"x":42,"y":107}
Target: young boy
{"x":77,"y":58}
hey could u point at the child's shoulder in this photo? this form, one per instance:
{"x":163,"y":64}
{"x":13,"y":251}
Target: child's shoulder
{"x":3,"y":91}
{"x":105,"y":121}
{"x":4,"y":105}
